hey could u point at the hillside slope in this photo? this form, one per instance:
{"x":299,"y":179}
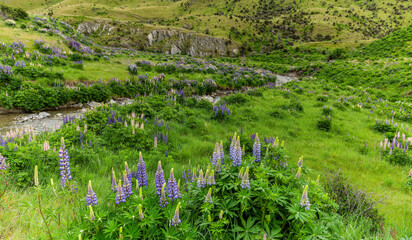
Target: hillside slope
{"x":258,"y":22}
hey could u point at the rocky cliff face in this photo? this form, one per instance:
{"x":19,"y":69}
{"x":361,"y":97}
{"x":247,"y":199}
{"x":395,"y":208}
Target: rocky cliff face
{"x":159,"y":40}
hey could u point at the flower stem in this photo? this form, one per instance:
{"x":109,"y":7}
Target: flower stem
{"x":42,"y":215}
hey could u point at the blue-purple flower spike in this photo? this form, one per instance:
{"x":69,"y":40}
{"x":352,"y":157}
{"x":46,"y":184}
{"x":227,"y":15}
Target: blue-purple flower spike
{"x":64,"y":163}
{"x":128,"y":172}
{"x":304,"y":202}
{"x":127,"y":185}
{"x":209,"y":196}
{"x":159,"y":179}
{"x":245,"y":179}
{"x":173,"y":191}
{"x":120,"y":196}
{"x":222,"y":153}
{"x":141,"y":171}
{"x":163,"y":200}
{"x":232,"y":151}
{"x":176,"y":220}
{"x":114,"y":182}
{"x":185,"y":178}
{"x":256,"y":148}
{"x":216,"y":154}
{"x":91,"y":198}
{"x":3,"y":164}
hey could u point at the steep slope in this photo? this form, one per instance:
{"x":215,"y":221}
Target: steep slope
{"x":398,"y":44}
{"x":339,"y":22}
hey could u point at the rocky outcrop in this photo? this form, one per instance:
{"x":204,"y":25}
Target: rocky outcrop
{"x":159,"y":40}
{"x":175,"y":42}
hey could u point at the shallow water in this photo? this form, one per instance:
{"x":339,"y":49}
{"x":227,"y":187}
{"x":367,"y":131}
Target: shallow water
{"x":55,"y":121}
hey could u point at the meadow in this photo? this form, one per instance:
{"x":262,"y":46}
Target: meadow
{"x":324,"y":157}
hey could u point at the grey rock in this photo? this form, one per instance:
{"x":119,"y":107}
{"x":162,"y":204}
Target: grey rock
{"x":168,"y":41}
{"x":44,"y":115}
{"x":93,"y":104}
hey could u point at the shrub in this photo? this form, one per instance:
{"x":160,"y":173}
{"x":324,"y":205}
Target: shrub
{"x":351,"y":200}
{"x":324,"y":123}
{"x":77,"y":65}
{"x":277,"y":114}
{"x":119,"y":137}
{"x":15,"y":13}
{"x":399,"y":157}
{"x":237,"y":98}
{"x":326,"y":110}
{"x":204,"y":104}
{"x":133,"y":69}
{"x":322,"y":98}
{"x":226,"y":207}
{"x":10,"y":22}
{"x":295,"y":105}
{"x":338,"y":53}
{"x":383,"y":127}
{"x":191,"y":122}
{"x":221,"y":112}
{"x":255,"y":92}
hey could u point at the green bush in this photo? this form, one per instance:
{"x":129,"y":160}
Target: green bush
{"x":383,"y":127}
{"x":237,"y":98}
{"x":277,"y":114}
{"x":352,"y":202}
{"x":324,"y":123}
{"x":15,"y":13}
{"x":326,"y":111}
{"x":322,"y":98}
{"x":398,"y":157}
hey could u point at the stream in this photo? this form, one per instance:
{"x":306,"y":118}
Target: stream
{"x":52,"y":120}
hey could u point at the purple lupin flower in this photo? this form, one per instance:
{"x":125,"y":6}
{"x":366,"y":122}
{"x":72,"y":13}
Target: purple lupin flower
{"x":92,"y":217}
{"x":300,"y":162}
{"x":237,"y":160}
{"x":304,"y":202}
{"x":120,"y":196}
{"x":141,"y":171}
{"x":256,"y":148}
{"x":91,"y":198}
{"x":64,"y":163}
{"x":159,"y":178}
{"x":141,"y":216}
{"x":299,"y":173}
{"x":212,"y":180}
{"x":218,"y":167}
{"x":222,"y":153}
{"x":245,"y":179}
{"x":163,"y":200}
{"x":114,"y":182}
{"x":176,"y":220}
{"x":127,"y":185}
{"x":190,"y":174}
{"x":209,"y":196}
{"x":185,"y":178}
{"x":201,"y":181}
{"x":216,"y":154}
{"x":232,"y":151}
{"x":128,"y":172}
{"x":3,"y":164}
{"x":173,"y":191}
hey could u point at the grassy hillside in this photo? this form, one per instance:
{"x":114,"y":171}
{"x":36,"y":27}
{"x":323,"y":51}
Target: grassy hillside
{"x":336,"y":116}
{"x":318,"y":23}
{"x":396,"y":45}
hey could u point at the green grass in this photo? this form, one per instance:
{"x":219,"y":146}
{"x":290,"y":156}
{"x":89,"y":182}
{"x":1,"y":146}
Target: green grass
{"x":321,"y":150}
{"x":358,"y":18}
